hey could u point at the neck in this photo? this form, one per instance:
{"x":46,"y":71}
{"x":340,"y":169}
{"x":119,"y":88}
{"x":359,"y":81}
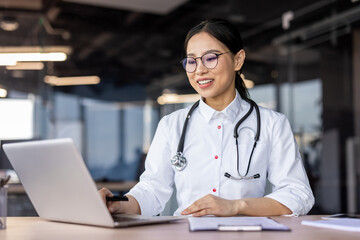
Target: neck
{"x":221,"y":102}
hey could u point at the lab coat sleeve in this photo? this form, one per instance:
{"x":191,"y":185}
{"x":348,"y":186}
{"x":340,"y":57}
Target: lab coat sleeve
{"x":155,"y":186}
{"x":286,"y":171}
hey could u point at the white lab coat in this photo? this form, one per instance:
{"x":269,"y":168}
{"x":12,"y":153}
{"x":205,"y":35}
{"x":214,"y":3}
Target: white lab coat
{"x":210,"y":151}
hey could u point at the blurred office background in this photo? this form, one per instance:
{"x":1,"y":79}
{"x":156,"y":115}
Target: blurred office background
{"x":303,"y":59}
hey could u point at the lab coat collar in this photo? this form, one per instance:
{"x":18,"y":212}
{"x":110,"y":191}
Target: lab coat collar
{"x":231,"y":111}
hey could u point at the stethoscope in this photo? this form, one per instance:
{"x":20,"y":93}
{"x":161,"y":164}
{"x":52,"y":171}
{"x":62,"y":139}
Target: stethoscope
{"x":180,"y":162}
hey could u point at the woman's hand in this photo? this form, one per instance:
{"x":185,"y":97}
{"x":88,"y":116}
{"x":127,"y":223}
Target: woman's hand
{"x":128,"y":207}
{"x":114,"y":207}
{"x":212,"y":205}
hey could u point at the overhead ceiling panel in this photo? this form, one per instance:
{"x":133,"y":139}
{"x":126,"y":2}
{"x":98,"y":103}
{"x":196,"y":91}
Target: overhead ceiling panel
{"x":147,"y":6}
{"x":22,"y":4}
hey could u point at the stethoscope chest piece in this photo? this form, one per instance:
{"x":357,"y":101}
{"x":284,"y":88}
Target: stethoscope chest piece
{"x":178,"y":161}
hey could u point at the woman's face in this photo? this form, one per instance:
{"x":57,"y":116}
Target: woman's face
{"x":217,"y":83}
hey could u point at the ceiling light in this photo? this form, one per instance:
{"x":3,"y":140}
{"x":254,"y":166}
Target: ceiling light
{"x":15,"y":54}
{"x":66,"y":81}
{"x":248,"y":83}
{"x":286,"y":18}
{"x":9,"y":25}
{"x":7,"y":62}
{"x":33,"y":57}
{"x":26,"y":66}
{"x":35,"y":49}
{"x":172,"y":98}
{"x":3,"y":93}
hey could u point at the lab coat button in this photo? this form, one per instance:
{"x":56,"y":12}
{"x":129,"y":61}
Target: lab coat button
{"x":219,"y":127}
{"x":216,"y":157}
{"x":214,"y":190}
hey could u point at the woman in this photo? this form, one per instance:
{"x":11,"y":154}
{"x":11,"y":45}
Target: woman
{"x":219,"y":177}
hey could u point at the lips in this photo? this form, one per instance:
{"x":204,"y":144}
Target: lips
{"x":205,"y":82}
{"x":202,"y":82}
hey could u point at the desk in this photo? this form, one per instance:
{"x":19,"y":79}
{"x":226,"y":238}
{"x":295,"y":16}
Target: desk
{"x":36,"y":228}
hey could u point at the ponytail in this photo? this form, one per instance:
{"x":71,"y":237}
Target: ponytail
{"x":240,"y":86}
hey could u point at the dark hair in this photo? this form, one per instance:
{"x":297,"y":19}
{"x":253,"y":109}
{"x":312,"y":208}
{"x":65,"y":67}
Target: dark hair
{"x":228,"y":34}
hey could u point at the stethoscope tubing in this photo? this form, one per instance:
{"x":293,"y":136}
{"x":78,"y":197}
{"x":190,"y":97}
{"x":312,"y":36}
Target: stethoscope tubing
{"x":180,"y":162}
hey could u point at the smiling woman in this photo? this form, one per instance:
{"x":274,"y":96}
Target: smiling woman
{"x":219,"y":66}
{"x":212,"y":175}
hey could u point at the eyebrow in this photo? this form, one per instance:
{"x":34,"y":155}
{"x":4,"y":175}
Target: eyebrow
{"x":208,"y":51}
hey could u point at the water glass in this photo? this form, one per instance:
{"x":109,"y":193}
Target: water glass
{"x":3,"y":207}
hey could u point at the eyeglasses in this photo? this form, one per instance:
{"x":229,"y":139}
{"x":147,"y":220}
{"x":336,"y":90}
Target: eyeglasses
{"x":209,"y":60}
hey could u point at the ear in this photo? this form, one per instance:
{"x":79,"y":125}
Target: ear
{"x":239,"y":59}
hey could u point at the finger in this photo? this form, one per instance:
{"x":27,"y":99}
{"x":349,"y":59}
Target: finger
{"x":196,"y":207}
{"x":114,"y":207}
{"x":104,"y":192}
{"x":201,"y":213}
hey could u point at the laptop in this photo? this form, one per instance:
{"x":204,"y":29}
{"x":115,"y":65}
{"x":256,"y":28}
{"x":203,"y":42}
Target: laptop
{"x":61,"y":188}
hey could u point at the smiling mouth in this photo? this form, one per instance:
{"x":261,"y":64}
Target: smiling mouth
{"x":206,"y":81}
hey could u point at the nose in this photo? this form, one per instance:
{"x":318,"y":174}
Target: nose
{"x":200,"y":68}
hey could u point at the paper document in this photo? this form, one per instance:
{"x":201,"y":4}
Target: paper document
{"x":346,"y":224}
{"x":235,"y":224}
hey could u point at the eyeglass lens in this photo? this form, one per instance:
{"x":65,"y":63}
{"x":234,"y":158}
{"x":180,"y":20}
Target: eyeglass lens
{"x":209,"y":60}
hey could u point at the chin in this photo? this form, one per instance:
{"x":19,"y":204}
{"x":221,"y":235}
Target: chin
{"x":206,"y":94}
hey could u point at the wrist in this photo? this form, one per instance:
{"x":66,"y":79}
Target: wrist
{"x":132,"y":206}
{"x":240,"y":206}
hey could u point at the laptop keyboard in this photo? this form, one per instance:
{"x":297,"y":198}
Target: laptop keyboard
{"x":128,"y":219}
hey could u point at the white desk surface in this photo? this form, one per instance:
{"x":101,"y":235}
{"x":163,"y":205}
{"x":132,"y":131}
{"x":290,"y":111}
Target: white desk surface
{"x":36,"y":228}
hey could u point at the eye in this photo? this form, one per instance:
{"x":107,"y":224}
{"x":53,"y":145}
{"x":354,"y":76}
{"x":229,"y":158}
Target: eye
{"x":210,"y":57}
{"x":190,"y":61}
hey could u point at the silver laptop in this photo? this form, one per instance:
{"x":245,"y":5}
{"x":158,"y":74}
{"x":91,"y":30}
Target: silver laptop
{"x":60,"y":186}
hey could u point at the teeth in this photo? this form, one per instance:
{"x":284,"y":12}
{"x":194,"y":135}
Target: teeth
{"x":204,"y":81}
